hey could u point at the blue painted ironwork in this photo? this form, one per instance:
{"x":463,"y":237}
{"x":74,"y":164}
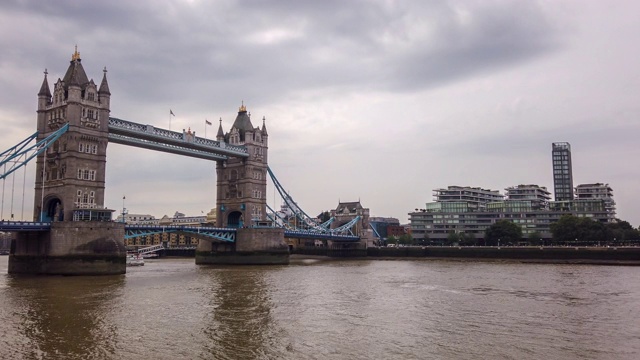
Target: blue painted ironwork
{"x":375,"y":231}
{"x":221,"y":234}
{"x":306,"y":221}
{"x":24,"y":226}
{"x":181,"y":143}
{"x":300,"y":234}
{"x":297,"y":210}
{"x":274,"y":216}
{"x":20,"y":154}
{"x":346,"y":227}
{"x":327,"y":223}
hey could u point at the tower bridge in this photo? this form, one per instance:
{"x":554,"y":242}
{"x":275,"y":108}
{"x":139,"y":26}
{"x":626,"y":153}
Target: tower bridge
{"x":72,"y":231}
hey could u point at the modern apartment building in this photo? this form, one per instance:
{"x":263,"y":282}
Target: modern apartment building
{"x":525,"y":205}
{"x":562,"y":171}
{"x":598,"y":191}
{"x":539,"y":196}
{"x":473,"y":195}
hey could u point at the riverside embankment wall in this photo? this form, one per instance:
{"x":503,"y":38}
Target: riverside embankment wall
{"x":605,"y":255}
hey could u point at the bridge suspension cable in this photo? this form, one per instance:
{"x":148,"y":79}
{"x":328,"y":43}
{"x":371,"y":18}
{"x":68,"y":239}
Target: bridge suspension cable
{"x":307,"y":221}
{"x":309,"y":224}
{"x":19,"y":155}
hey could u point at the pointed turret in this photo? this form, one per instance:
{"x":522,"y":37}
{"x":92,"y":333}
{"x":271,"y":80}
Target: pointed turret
{"x":220,"y":135}
{"x":44,"y":89}
{"x":264,"y":126}
{"x":243,"y":122}
{"x":75,"y":79}
{"x":104,"y":86}
{"x":75,"y":75}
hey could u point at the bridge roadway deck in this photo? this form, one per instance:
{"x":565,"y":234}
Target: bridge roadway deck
{"x":141,"y":230}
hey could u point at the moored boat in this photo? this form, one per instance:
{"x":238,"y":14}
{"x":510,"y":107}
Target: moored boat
{"x":135,"y":260}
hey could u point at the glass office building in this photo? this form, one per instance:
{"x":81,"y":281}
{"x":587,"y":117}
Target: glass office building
{"x":562,"y":172}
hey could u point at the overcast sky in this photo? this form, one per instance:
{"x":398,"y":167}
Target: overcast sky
{"x":377,"y":101}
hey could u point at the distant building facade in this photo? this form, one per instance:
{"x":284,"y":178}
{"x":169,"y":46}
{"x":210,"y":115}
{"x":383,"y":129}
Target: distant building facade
{"x":171,"y":240}
{"x":383,"y":227}
{"x":347,"y":211}
{"x":526,"y":205}
{"x":562,"y":171}
{"x":598,"y":191}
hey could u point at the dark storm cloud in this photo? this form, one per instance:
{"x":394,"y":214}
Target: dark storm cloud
{"x":399,"y":95}
{"x":208,"y":48}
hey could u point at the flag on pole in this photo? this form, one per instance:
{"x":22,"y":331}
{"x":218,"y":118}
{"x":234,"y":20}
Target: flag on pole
{"x":207,"y":122}
{"x":171,"y":113}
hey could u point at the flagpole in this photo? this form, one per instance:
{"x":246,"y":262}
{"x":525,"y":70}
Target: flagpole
{"x":170,"y":112}
{"x":205,"y":128}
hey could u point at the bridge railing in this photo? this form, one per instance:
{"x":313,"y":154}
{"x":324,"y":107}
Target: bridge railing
{"x":24,"y":225}
{"x":140,"y":132}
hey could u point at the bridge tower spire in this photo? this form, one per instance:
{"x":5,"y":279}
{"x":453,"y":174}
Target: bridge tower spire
{"x":71,"y":172}
{"x":242,"y":182}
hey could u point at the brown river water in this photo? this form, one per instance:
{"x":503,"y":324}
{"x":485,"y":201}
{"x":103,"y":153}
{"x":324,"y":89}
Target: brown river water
{"x":362,"y":309}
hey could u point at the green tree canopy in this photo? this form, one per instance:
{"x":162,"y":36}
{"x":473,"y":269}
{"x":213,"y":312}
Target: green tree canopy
{"x":467,"y":239}
{"x":405,"y":239}
{"x":621,"y":230}
{"x":452,"y":238}
{"x":572,"y":228}
{"x":534,"y":238}
{"x":503,"y":230}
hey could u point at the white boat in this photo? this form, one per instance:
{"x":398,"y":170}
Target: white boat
{"x":135,"y":260}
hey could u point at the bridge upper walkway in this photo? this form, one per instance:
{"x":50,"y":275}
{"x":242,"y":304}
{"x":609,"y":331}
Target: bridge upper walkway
{"x":182,"y":143}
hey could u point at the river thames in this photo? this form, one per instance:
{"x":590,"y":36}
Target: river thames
{"x":361,"y":309}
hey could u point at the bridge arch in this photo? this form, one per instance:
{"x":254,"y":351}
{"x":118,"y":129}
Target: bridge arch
{"x":235,"y":219}
{"x":53,"y":208}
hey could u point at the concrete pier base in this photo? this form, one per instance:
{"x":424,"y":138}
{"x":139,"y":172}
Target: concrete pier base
{"x":253,"y":246}
{"x":70,"y":248}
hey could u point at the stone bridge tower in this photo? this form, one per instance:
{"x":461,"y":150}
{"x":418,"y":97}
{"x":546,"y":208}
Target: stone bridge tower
{"x":241,"y":202}
{"x":242,"y":182}
{"x":71,"y":172}
{"x":69,"y":185}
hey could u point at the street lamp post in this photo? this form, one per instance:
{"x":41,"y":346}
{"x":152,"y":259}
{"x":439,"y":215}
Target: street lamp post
{"x":123,"y":209}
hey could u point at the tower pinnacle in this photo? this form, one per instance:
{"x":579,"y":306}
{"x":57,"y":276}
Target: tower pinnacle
{"x":76,"y":54}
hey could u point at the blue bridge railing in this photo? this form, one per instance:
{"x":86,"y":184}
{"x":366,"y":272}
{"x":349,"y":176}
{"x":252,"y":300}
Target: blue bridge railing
{"x":24,"y":226}
{"x":221,"y":234}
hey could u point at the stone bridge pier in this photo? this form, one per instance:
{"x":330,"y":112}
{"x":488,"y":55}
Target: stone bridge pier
{"x":253,"y":246}
{"x":70,"y":248}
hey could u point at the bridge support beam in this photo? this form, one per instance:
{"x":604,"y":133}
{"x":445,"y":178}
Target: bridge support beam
{"x":70,"y":248}
{"x":253,"y":246}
